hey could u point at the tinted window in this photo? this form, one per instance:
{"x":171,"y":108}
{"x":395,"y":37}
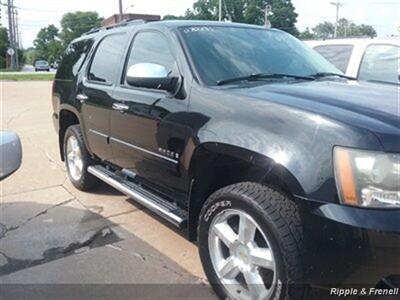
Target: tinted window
{"x":339,"y":55}
{"x":226,"y":52}
{"x":73,"y":59}
{"x":107,"y":59}
{"x":151,"y":47}
{"x":381,"y":63}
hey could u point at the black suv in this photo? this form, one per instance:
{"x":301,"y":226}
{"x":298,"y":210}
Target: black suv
{"x":285,"y":171}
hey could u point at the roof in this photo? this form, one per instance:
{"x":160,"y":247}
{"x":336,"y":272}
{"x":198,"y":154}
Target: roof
{"x":181,"y":23}
{"x":354,"y":41}
{"x":172,"y":24}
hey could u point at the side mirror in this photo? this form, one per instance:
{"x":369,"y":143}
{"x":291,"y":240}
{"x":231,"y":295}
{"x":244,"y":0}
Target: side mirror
{"x":151,"y":76}
{"x":10,"y":153}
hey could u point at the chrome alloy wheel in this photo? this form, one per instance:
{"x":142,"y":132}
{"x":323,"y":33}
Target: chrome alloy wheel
{"x":241,"y":256}
{"x":74,"y":158}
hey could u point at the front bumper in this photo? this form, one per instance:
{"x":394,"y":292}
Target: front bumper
{"x":352,"y":246}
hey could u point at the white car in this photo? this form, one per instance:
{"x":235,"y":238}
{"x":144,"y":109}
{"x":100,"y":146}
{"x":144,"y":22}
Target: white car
{"x":375,"y":60}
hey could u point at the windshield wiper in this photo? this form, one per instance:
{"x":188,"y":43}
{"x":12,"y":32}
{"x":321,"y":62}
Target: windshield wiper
{"x":326,"y":74}
{"x":259,"y":76}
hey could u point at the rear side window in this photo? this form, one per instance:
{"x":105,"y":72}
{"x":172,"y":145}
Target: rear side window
{"x":107,"y":59}
{"x":338,"y":55}
{"x":73,"y":59}
{"x":381,"y":63}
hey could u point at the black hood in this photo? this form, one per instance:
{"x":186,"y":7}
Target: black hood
{"x":375,"y":107}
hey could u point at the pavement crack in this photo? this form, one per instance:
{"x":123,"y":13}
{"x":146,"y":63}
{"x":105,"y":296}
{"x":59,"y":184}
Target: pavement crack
{"x":149,"y":258}
{"x":121,"y":214}
{"x":93,"y":239}
{"x":33,"y":190}
{"x":16,"y":227}
{"x":9,"y":121}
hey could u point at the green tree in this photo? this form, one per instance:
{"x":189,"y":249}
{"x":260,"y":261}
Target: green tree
{"x":307,"y":34}
{"x":346,"y":28}
{"x":47,"y":44}
{"x":324,"y":30}
{"x":75,"y":24}
{"x":282,"y":16}
{"x":30,"y":55}
{"x":4,"y":44}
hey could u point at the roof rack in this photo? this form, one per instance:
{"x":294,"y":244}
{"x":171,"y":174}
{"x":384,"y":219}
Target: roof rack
{"x":128,"y":22}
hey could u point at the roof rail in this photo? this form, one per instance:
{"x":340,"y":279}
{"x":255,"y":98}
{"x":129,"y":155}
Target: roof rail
{"x":128,"y":22}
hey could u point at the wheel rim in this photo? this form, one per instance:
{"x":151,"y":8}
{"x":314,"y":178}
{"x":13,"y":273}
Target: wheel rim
{"x":241,"y":255}
{"x":74,"y":158}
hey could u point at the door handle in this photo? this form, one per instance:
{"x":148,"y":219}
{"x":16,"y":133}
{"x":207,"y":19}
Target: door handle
{"x":81,"y":98}
{"x":120,"y":107}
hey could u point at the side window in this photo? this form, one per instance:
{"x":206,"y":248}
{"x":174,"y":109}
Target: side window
{"x":338,"y":55}
{"x":107,"y":59}
{"x":151,"y":47}
{"x":73,"y":59}
{"x":381,"y":63}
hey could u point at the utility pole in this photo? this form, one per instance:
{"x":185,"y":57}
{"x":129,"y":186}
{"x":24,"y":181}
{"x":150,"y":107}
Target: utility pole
{"x":0,"y":11}
{"x":220,"y":11}
{"x":338,"y":5}
{"x":267,"y":10}
{"x":11,"y":32}
{"x":121,"y":11}
{"x":16,"y":36}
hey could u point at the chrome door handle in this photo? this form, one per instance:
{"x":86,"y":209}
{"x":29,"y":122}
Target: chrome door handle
{"x":81,"y":98}
{"x":120,"y":107}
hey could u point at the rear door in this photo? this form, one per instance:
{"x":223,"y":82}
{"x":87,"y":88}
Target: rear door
{"x":149,"y":134}
{"x":95,"y":92}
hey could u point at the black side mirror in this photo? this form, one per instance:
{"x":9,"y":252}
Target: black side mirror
{"x":151,"y":76}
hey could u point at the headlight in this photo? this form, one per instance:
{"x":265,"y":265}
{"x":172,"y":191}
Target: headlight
{"x":367,"y":178}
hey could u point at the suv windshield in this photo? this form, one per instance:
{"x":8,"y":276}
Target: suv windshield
{"x":224,"y":52}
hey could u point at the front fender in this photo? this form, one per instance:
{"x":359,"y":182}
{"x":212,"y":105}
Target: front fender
{"x":301,"y":142}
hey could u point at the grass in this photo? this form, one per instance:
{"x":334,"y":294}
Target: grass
{"x":9,"y":70}
{"x":26,"y":77}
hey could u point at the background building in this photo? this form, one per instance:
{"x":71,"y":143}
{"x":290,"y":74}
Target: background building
{"x":114,"y":19}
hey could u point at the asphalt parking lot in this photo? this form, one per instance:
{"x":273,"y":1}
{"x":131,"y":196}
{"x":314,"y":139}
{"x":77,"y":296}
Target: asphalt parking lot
{"x":52,"y":233}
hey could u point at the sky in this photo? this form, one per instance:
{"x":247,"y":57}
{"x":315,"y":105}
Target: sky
{"x":383,"y":15}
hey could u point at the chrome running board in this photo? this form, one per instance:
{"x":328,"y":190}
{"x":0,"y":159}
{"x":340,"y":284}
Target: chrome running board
{"x":156,"y":204}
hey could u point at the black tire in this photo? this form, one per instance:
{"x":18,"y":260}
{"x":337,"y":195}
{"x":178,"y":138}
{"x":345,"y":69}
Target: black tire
{"x":279,"y":219}
{"x":86,"y":181}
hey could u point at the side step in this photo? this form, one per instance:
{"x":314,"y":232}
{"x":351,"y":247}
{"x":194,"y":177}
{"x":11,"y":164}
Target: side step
{"x":156,"y":204}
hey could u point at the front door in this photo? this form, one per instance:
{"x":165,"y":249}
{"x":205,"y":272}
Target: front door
{"x":147,"y":134}
{"x":96,"y":90}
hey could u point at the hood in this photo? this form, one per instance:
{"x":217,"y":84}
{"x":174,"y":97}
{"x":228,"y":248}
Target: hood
{"x":375,"y":107}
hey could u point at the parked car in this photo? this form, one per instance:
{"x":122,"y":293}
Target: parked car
{"x":376,"y":60}
{"x":42,"y":65}
{"x":284,"y":170}
{"x":10,"y":153}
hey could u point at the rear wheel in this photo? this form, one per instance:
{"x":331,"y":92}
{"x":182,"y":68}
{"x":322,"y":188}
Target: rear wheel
{"x":77,"y":159}
{"x":250,"y":241}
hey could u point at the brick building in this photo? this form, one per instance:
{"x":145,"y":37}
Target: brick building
{"x":114,"y":19}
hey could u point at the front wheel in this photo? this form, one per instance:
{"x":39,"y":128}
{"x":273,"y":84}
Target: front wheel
{"x":77,"y":159}
{"x":250,"y":243}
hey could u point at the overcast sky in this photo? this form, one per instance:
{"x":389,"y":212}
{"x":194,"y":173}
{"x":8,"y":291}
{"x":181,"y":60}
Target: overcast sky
{"x":34,"y":14}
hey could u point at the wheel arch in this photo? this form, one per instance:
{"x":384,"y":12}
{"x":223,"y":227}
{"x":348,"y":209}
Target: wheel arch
{"x":215,"y":165}
{"x":68,"y":116}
